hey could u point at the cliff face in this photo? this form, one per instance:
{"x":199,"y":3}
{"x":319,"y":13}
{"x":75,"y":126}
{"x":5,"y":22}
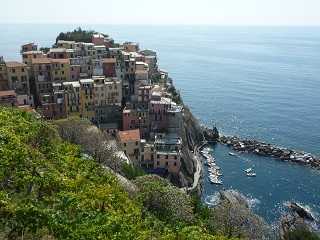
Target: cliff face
{"x":191,"y":137}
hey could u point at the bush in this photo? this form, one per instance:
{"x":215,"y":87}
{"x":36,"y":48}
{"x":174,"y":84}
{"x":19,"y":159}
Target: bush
{"x":164,"y":200}
{"x":302,"y":234}
{"x":131,"y":172}
{"x":49,"y":191}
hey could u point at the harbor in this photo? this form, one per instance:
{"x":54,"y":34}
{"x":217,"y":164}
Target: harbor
{"x":213,"y":169}
{"x":275,"y":183}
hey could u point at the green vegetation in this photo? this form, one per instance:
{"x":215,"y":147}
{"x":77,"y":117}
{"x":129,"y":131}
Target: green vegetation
{"x":131,"y":172}
{"x":44,"y":49}
{"x":77,"y":35}
{"x":49,"y":191}
{"x":302,"y":234}
{"x":176,"y":97}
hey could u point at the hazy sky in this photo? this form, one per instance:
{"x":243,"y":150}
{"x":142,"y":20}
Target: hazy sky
{"x":219,"y":12}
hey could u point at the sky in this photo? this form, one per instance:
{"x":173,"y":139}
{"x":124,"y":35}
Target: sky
{"x":212,"y":12}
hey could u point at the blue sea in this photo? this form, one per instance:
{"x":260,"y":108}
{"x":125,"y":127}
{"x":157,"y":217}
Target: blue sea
{"x":256,"y":82}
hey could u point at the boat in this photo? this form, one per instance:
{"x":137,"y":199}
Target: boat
{"x":232,"y":154}
{"x":249,"y":170}
{"x":251,"y":174}
{"x":216,"y":181}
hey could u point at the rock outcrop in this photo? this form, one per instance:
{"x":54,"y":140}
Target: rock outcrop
{"x":298,"y":217}
{"x":211,"y":135}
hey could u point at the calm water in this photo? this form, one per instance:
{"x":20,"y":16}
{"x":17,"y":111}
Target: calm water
{"x":254,"y":82}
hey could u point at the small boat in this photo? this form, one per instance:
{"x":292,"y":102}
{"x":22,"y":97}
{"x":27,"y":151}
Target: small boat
{"x":251,"y":174}
{"x":216,"y":181}
{"x":249,"y":170}
{"x":232,"y":154}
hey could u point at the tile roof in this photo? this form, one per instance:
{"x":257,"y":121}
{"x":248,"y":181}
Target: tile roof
{"x":7,"y":93}
{"x":130,"y":135}
{"x":15,"y":64}
{"x":61,"y":60}
{"x":41,"y":60}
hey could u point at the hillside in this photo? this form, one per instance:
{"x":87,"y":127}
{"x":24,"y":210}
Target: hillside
{"x":49,"y":191}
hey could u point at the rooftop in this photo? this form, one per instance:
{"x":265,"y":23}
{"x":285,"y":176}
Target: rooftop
{"x":7,"y":93}
{"x":32,"y":52}
{"x":130,"y":135}
{"x":168,"y":139}
{"x":41,"y":60}
{"x":61,"y":60}
{"x":64,"y":41}
{"x":57,"y":50}
{"x":86,"y":81}
{"x":15,"y":64}
{"x":74,"y":84}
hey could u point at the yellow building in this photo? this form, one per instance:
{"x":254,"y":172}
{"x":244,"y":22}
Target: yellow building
{"x":131,"y":144}
{"x":87,"y":99}
{"x":60,"y":70}
{"x":108,"y":91}
{"x":72,"y":97}
{"x":28,"y":56}
{"x":3,"y":75}
{"x":18,"y":77}
{"x":66,"y":44}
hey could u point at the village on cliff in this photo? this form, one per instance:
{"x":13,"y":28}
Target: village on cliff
{"x":117,"y":87}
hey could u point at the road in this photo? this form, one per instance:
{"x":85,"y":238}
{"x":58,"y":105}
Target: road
{"x":197,"y":161}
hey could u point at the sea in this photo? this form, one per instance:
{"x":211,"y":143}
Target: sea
{"x":254,"y":82}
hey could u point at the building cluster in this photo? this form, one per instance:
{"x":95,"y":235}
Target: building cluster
{"x":120,"y":89}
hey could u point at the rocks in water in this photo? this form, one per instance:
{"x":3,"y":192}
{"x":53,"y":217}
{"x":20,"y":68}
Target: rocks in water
{"x":264,"y":149}
{"x":303,"y":213}
{"x":297,"y":218}
{"x":211,"y":135}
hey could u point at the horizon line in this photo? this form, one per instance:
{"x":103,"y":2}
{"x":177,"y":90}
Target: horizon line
{"x":162,"y":24}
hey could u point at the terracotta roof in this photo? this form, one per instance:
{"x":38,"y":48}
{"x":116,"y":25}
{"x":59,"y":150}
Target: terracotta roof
{"x":61,"y":60}
{"x":41,"y":60}
{"x":7,"y":93}
{"x":130,"y":135}
{"x":15,"y":64}
{"x":109,"y":60}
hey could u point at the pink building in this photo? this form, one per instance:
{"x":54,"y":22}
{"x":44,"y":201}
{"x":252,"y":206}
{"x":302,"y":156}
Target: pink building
{"x":109,"y":67}
{"x":136,"y":119}
{"x":75,"y":72}
{"x":158,"y":113}
{"x":98,"y":39}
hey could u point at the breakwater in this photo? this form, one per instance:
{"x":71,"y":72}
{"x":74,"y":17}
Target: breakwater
{"x":265,"y":149}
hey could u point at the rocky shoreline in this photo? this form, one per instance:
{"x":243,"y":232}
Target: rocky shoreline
{"x":265,"y":149}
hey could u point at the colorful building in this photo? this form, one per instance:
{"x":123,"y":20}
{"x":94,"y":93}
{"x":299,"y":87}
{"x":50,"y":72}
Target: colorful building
{"x":4,"y":84}
{"x":131,"y":144}
{"x":28,"y":56}
{"x":8,"y":98}
{"x":60,"y":70}
{"x":29,"y":47}
{"x":87,"y":99}
{"x":109,"y":67}
{"x":168,"y":152}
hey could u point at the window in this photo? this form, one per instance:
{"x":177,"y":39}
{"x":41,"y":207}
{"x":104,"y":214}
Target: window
{"x":136,"y":143}
{"x":167,"y":156}
{"x":158,"y":163}
{"x":158,"y":156}
{"x":175,"y":163}
{"x":167,"y":163}
{"x":175,"y":157}
{"x":124,"y":144}
{"x":22,"y":70}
